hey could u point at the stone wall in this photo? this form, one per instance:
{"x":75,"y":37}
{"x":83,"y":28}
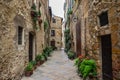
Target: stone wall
{"x":14,"y":57}
{"x":91,"y":31}
{"x":57,"y":26}
{"x":95,"y":31}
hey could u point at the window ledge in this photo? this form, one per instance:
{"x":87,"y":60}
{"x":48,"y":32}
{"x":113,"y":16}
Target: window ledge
{"x":20,"y":47}
{"x":104,"y":27}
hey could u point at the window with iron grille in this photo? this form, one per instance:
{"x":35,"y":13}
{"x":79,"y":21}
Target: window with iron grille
{"x":103,"y":18}
{"x":20,"y":35}
{"x":52,"y":32}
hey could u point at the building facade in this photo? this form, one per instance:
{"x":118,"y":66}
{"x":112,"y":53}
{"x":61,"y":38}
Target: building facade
{"x":22,"y":35}
{"x":56,"y":32}
{"x":94,"y":29}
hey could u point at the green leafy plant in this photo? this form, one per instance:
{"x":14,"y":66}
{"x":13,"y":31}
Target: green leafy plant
{"x":45,"y":56}
{"x":33,"y":63}
{"x":33,"y":6}
{"x":29,"y":67}
{"x":38,"y":57}
{"x":86,"y":67}
{"x":42,"y":58}
{"x":67,"y":40}
{"x":47,"y":51}
{"x":77,"y":62}
{"x":45,"y":25}
{"x":39,"y":13}
{"x":71,"y":55}
{"x":35,"y":16}
{"x":70,"y":12}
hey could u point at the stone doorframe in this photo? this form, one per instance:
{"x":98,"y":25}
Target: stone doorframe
{"x":33,"y":45}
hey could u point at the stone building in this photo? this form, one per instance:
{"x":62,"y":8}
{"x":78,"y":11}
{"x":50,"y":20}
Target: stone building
{"x":22,"y":34}
{"x":94,"y":29}
{"x":56,"y":32}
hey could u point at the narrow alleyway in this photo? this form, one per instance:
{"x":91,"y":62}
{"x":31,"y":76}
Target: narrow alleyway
{"x":58,"y":67}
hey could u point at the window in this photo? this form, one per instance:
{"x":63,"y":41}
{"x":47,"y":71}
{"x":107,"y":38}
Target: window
{"x":103,"y":18}
{"x":52,"y":32}
{"x":20,"y":35}
{"x":54,"y":20}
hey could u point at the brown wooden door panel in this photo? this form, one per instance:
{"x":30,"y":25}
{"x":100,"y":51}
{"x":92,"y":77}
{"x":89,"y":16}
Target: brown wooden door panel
{"x":78,"y":38}
{"x":106,"y":57}
{"x":31,"y":38}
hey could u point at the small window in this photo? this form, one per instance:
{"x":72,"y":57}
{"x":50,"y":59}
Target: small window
{"x":54,"y":20}
{"x":20,"y":35}
{"x":52,"y":32}
{"x":103,"y":18}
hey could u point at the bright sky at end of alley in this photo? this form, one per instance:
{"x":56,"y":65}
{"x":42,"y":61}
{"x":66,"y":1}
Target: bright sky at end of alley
{"x":57,"y":7}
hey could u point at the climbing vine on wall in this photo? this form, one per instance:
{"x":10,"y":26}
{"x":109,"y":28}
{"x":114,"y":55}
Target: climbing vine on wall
{"x":67,"y":40}
{"x":45,"y":25}
{"x":36,"y":16}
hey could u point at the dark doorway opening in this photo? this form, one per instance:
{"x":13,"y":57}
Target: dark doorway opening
{"x":31,"y":42}
{"x":78,"y":39}
{"x":53,"y":43}
{"x":106,"y":57}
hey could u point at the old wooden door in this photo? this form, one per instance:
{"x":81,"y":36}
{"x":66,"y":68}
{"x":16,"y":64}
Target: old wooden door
{"x":78,"y":38}
{"x":106,"y":57}
{"x":31,"y":41}
{"x":53,"y":43}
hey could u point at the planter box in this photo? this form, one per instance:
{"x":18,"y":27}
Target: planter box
{"x":40,"y":63}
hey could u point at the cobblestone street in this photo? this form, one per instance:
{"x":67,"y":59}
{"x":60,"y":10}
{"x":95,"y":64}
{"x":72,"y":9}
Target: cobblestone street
{"x":58,"y":67}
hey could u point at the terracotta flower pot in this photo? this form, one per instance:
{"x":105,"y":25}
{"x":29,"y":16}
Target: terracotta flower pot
{"x":39,"y":17}
{"x":32,"y":13}
{"x":28,"y":73}
{"x":40,"y":21}
{"x":42,"y":62}
{"x":35,"y":67}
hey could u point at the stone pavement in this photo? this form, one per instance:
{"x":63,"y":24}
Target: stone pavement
{"x":58,"y":67}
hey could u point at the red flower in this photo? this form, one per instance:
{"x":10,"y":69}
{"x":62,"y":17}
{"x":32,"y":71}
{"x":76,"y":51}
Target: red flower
{"x":80,"y":57}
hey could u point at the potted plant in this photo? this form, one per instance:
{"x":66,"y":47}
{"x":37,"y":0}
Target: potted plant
{"x":45,"y":56}
{"x":71,"y":55}
{"x":34,"y":64}
{"x":33,"y":10}
{"x":39,"y":21}
{"x":38,"y":58}
{"x":42,"y":59}
{"x":29,"y":70}
{"x":39,"y":14}
{"x":88,"y":68}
